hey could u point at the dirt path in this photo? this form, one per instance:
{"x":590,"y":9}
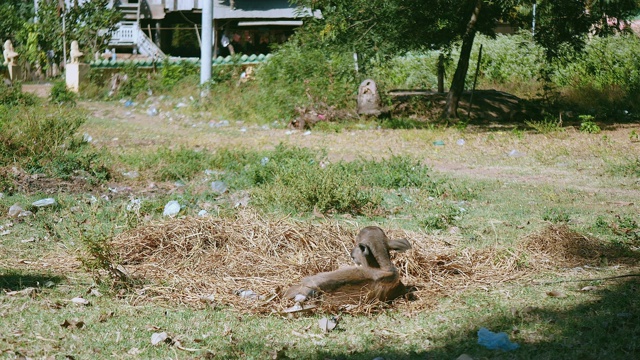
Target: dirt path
{"x":565,"y":160}
{"x":570,"y":159}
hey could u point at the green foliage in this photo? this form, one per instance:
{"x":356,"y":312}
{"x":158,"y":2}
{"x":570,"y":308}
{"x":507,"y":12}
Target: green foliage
{"x":441,"y":217}
{"x":13,"y":16}
{"x":173,"y":72}
{"x":43,"y":139}
{"x":61,"y":95}
{"x":298,"y":76}
{"x":172,"y":165}
{"x":547,"y":126}
{"x":292,"y":179}
{"x":12,"y":96}
{"x":588,"y":125}
{"x":416,"y":70}
{"x":90,"y":23}
{"x":301,"y":186}
{"x":395,"y":172}
{"x":626,"y":228}
{"x":137,"y":82}
{"x":605,"y":78}
{"x":630,"y":167}
{"x":555,"y":215}
{"x":83,"y":160}
{"x":508,"y":58}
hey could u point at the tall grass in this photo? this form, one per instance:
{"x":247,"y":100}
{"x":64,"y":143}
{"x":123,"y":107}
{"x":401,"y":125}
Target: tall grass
{"x":292,"y":179}
{"x":44,"y":139}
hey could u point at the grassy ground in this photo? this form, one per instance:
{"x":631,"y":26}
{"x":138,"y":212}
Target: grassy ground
{"x":504,"y":186}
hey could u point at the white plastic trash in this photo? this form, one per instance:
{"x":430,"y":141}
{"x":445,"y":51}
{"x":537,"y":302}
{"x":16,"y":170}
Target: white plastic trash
{"x":171,"y":209}
{"x":44,"y":202}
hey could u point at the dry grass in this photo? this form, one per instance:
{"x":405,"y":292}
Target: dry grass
{"x":195,"y":260}
{"x":558,"y":245}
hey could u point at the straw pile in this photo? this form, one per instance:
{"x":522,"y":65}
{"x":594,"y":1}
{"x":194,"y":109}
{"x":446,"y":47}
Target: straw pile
{"x":560,"y":246}
{"x":247,"y":261}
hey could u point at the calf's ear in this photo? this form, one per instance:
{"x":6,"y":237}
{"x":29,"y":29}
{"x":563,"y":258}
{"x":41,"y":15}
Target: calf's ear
{"x":399,"y":245}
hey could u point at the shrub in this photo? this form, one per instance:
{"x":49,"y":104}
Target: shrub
{"x":605,"y":78}
{"x":555,"y":215}
{"x":13,"y":96}
{"x":588,"y":126}
{"x":296,"y":76}
{"x":137,"y":82}
{"x":441,"y":217}
{"x":546,"y":126}
{"x":61,"y":95}
{"x":44,"y":139}
{"x":171,"y":73}
{"x":411,"y":71}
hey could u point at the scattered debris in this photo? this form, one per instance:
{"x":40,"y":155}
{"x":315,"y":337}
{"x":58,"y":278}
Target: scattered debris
{"x":589,"y":288}
{"x":298,"y":307}
{"x":172,"y":208}
{"x":248,"y":294}
{"x":219,"y":187}
{"x":80,"y":301}
{"x":73,"y":324}
{"x":15,"y":210}
{"x":515,"y":154}
{"x":44,"y":202}
{"x":556,"y":294}
{"x":157,"y":338}
{"x":30,"y":291}
{"x":495,"y":341}
{"x":328,"y":324}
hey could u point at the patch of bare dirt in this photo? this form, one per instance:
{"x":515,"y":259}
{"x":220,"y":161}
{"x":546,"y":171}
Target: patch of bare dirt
{"x":17,"y":180}
{"x":40,"y":90}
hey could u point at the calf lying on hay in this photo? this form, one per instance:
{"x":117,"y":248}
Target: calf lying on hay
{"x":247,"y":261}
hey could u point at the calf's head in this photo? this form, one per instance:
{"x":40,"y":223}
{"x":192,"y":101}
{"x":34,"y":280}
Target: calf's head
{"x":373,"y":246}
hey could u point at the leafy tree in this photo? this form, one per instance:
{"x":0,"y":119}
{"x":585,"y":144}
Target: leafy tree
{"x":13,"y":14}
{"x":385,"y":27}
{"x":90,"y":23}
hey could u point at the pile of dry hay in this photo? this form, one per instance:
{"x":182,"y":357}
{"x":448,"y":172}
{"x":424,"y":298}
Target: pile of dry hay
{"x":197,"y":260}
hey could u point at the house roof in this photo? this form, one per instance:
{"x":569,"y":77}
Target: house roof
{"x":242,"y":9}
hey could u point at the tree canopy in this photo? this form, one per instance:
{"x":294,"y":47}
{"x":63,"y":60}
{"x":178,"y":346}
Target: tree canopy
{"x":90,"y":23}
{"x":389,"y":27}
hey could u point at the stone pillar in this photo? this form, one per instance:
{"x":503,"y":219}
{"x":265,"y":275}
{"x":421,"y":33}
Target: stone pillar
{"x":368,"y":98}
{"x":15,"y":73}
{"x":75,"y":75}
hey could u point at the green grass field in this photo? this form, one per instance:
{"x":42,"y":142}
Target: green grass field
{"x":490,"y":194}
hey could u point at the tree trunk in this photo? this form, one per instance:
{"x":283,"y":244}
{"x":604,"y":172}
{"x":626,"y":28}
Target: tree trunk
{"x":457,"y":84}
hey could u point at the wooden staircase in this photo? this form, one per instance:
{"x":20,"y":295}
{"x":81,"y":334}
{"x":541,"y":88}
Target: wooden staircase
{"x":129,"y":35}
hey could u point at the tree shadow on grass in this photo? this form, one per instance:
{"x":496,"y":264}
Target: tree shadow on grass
{"x":14,"y":280}
{"x":493,"y":110}
{"x":607,"y":327}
